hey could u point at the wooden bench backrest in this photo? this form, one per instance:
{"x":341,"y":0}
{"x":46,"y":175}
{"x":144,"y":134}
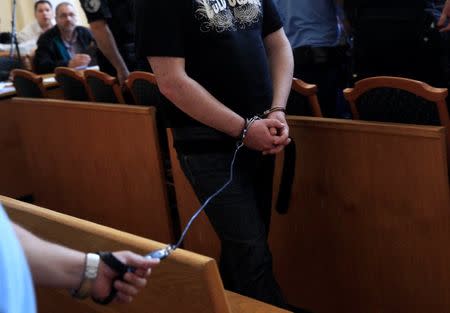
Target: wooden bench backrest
{"x":183,"y":283}
{"x":15,"y":180}
{"x":98,"y":162}
{"x":368,"y":226}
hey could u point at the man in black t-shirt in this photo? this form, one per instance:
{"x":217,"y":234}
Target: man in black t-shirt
{"x":221,"y":62}
{"x":112,"y":24}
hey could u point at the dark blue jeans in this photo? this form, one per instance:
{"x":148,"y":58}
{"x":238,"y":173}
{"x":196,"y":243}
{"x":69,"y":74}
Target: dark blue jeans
{"x":240,"y":216}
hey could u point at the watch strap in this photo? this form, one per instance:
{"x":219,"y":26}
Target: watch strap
{"x":92,"y":262}
{"x":118,"y":266}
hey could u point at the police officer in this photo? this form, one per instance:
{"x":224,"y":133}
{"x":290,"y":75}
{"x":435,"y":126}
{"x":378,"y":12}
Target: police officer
{"x":112,"y":24}
{"x":398,"y":38}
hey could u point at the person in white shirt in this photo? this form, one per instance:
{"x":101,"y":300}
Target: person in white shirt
{"x":28,"y":36}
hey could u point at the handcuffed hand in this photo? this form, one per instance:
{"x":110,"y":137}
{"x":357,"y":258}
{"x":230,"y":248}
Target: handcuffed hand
{"x":281,"y":135}
{"x":259,"y":136}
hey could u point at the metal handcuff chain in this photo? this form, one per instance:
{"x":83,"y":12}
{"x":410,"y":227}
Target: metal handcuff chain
{"x":165,"y":252}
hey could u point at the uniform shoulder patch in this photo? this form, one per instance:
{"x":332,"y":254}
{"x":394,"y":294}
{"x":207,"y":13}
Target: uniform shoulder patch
{"x":92,"y":6}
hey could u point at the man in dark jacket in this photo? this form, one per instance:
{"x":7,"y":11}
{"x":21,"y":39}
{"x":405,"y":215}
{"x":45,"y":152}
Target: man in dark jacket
{"x":66,"y":44}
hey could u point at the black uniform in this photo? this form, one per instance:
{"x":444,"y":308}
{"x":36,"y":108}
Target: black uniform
{"x":397,"y":38}
{"x":119,"y":15}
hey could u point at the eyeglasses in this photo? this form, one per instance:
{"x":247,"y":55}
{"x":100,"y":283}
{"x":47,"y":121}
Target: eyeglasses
{"x":66,"y":15}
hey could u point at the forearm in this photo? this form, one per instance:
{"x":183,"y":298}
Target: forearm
{"x":107,"y":45}
{"x":443,"y":20}
{"x":51,"y":264}
{"x":281,"y":63}
{"x":194,"y":100}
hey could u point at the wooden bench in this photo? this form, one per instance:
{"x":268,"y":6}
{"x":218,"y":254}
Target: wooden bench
{"x":97,"y":161}
{"x":368,"y":226}
{"x":13,"y":167}
{"x":15,"y":180}
{"x":183,"y":283}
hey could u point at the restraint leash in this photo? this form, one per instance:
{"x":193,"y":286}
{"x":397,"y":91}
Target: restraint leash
{"x":114,"y":263}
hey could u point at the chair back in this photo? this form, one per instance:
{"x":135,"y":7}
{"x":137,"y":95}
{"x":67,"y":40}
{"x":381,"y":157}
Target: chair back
{"x":303,"y":99}
{"x":398,"y":100}
{"x":103,"y":87}
{"x":144,"y":89}
{"x":72,"y":83}
{"x":28,"y":84}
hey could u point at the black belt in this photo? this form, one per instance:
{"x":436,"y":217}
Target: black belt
{"x":287,"y":179}
{"x":318,"y":55}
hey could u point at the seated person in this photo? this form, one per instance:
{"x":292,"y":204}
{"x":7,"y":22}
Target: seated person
{"x":66,"y":44}
{"x":29,"y":35}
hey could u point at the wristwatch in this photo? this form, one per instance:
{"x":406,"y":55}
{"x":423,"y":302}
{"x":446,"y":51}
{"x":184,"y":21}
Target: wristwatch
{"x":90,"y":274}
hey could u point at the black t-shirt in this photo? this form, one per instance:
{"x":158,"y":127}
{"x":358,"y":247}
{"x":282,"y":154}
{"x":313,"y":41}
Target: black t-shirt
{"x":118,"y":14}
{"x":222,"y":42}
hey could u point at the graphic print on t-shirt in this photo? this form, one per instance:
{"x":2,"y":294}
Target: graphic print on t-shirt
{"x":227,"y":15}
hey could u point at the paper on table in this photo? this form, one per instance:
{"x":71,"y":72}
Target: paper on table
{"x":49,"y":80}
{"x":5,"y":84}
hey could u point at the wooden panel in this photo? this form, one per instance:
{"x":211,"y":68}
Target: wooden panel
{"x":368,"y":227}
{"x":183,"y":283}
{"x":201,"y":237}
{"x":14,"y":181}
{"x":14,"y":171}
{"x":243,"y":304}
{"x":99,"y":162}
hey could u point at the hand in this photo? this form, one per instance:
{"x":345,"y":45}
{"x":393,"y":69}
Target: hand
{"x":79,"y":60}
{"x":132,"y":282}
{"x":122,"y":76}
{"x":281,"y":135}
{"x":445,"y":17}
{"x":259,"y":136}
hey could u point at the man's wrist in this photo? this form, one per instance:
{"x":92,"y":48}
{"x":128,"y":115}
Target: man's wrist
{"x":90,"y":272}
{"x":274,"y":109}
{"x":238,"y":132}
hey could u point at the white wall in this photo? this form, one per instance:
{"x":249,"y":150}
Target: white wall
{"x":25,"y":14}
